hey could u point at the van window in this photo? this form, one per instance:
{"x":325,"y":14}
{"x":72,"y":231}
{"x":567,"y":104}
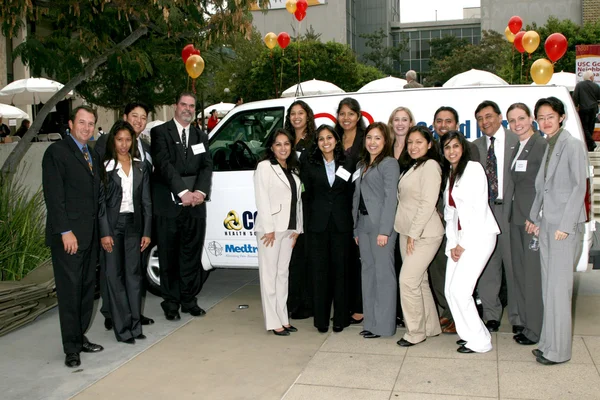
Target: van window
{"x":239,"y":144}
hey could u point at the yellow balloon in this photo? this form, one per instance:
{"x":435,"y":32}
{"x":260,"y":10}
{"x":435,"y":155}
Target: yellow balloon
{"x":290,"y":5}
{"x":509,"y":35}
{"x":541,"y":71}
{"x":531,"y":41}
{"x":194,"y":66}
{"x":271,"y":40}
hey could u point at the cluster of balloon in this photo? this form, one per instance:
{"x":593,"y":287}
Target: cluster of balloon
{"x":272,"y":40}
{"x":194,"y":63}
{"x":297,"y":8}
{"x":555,"y":46}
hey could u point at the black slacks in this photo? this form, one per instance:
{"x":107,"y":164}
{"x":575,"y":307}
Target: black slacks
{"x":397,"y":269}
{"x":124,"y":279}
{"x":180,"y":241}
{"x":329,"y":258}
{"x":75,"y":277}
{"x":355,"y":302}
{"x":588,"y":122}
{"x":437,"y":278}
{"x":300,"y":286}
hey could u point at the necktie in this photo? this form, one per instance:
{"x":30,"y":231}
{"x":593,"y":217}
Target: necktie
{"x":184,"y":142}
{"x":491,"y":170}
{"x":86,"y":155}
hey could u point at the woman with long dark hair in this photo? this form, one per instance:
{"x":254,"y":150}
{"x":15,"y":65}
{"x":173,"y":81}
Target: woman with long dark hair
{"x":471,"y":231}
{"x":420,"y":228}
{"x":277,"y":190}
{"x":373,"y":208}
{"x":125,"y":224}
{"x":328,"y":202}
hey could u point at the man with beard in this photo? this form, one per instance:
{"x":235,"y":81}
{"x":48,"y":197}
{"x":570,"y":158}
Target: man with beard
{"x":181,"y":184}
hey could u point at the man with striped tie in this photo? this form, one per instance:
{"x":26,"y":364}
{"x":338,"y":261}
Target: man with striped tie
{"x":71,"y":182}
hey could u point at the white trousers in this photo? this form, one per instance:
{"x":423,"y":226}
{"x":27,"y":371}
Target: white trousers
{"x":461,"y":278}
{"x":273,"y":269}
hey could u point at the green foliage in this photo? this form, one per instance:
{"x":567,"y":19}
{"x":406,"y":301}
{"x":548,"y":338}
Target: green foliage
{"x":381,"y":55}
{"x":22,"y":223}
{"x":443,"y":47}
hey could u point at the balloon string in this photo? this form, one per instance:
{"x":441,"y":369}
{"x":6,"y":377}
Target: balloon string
{"x":194,"y":85}
{"x":512,"y":64}
{"x":274,"y":74}
{"x":281,"y":72}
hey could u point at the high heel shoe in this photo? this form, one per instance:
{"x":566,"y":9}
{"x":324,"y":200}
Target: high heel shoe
{"x":290,"y":328}
{"x":281,"y":333}
{"x":356,"y":321}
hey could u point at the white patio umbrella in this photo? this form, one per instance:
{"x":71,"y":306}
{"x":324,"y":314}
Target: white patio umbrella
{"x":311,"y":88}
{"x":389,"y":83}
{"x":566,"y":79}
{"x":475,"y":77}
{"x":12,"y":112}
{"x":150,"y":125}
{"x":222,"y":109}
{"x":30,"y":91}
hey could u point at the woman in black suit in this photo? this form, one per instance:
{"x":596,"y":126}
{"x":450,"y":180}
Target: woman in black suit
{"x":125,"y":217}
{"x":329,"y":225}
{"x":351,"y":130}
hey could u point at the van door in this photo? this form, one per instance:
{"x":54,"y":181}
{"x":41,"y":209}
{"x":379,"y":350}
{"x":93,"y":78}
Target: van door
{"x":236,"y":148}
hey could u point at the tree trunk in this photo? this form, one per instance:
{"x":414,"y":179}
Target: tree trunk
{"x":14,"y":158}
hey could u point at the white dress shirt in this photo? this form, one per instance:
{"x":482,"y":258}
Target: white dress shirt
{"x":499,"y":152}
{"x":126,"y":184}
{"x":522,"y":144}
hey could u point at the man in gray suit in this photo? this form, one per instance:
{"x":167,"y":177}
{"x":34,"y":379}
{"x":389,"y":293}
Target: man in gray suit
{"x":411,"y":79}
{"x":496,"y":147}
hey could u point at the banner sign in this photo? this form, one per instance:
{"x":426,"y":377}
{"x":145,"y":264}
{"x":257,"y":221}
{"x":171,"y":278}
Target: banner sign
{"x":587,"y":57}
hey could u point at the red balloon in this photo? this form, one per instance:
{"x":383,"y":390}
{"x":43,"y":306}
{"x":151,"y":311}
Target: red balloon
{"x":514,"y":24}
{"x":519,"y":42}
{"x":196,"y":52}
{"x":299,"y":14}
{"x":556,"y":46}
{"x":301,"y":5}
{"x":187,"y":52}
{"x":283,"y":39}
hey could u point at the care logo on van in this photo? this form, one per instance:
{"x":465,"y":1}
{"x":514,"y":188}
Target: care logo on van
{"x":237,"y":226}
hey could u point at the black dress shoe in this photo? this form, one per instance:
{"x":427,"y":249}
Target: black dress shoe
{"x":338,"y":329}
{"x":492,"y":325}
{"x":323,"y":329}
{"x":89,"y":347}
{"x":141,"y":336}
{"x":108,"y":324}
{"x":290,"y":328}
{"x":524,"y":340}
{"x":464,"y":350}
{"x":146,"y":321}
{"x":370,"y":336}
{"x":356,"y":321}
{"x":365,"y":332}
{"x":518,"y":328}
{"x":405,"y":343}
{"x":195,"y":311}
{"x":281,"y":333}
{"x":172,"y":315}
{"x":545,"y":361}
{"x":72,"y":360}
{"x":129,"y":341}
{"x":537,"y":352}
{"x":461,"y":342}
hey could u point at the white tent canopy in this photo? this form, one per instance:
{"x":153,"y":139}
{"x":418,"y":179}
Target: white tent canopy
{"x":222,"y":109}
{"x":150,"y":125}
{"x":7,"y":111}
{"x":311,"y":88}
{"x":384,"y":84}
{"x":566,"y":79}
{"x":475,"y":77}
{"x":30,"y":91}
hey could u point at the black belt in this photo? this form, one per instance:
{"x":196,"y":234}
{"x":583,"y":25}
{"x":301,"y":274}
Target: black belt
{"x":498,"y":202}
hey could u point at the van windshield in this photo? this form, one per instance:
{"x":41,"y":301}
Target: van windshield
{"x":239,"y":143}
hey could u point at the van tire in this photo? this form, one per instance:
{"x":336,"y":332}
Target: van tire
{"x":153,"y":272}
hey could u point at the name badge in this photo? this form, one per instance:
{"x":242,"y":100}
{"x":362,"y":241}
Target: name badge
{"x":521,"y":166}
{"x":198,"y":149}
{"x":342,"y":173}
{"x":355,"y":175}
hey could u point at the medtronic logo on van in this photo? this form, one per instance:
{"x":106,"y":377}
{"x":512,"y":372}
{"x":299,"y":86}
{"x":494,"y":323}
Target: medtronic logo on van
{"x":215,"y":249}
{"x":247,"y":248}
{"x":232,"y":221}
{"x":239,"y":227}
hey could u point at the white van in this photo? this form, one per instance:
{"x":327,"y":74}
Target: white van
{"x":236,"y":145}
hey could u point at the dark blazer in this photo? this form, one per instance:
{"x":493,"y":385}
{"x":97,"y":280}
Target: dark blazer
{"x":523,"y":191}
{"x":111,"y":195}
{"x":170,"y":166}
{"x":324,"y":202}
{"x":354,"y":155}
{"x":71,"y":192}
{"x":100,"y":147}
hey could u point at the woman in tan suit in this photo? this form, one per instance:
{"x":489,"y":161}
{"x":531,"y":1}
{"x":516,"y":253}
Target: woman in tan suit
{"x":421,"y":232}
{"x":278,"y":223}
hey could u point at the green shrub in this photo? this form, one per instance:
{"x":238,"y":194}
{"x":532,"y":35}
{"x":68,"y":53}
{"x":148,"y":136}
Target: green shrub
{"x":22,"y":230}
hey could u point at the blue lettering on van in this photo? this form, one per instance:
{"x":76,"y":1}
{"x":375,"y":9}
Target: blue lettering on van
{"x":465,"y":128}
{"x":248,"y":219}
{"x":247,"y":248}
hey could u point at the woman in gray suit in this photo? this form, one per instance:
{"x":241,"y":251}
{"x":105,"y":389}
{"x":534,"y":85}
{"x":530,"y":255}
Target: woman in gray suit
{"x":557,"y":216}
{"x":525,"y":164}
{"x":373,"y":209}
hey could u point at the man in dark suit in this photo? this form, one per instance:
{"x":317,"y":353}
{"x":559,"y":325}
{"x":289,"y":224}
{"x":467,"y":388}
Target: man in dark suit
{"x":496,"y":147}
{"x":71,"y":187}
{"x":136,"y":113}
{"x":586,"y":97}
{"x":181,"y":184}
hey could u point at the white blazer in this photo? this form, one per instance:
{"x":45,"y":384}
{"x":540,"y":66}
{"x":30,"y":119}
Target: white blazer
{"x":470,"y":194}
{"x":273,"y":199}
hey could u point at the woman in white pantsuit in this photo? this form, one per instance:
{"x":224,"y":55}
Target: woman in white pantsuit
{"x":278,"y":191}
{"x":471,"y":231}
